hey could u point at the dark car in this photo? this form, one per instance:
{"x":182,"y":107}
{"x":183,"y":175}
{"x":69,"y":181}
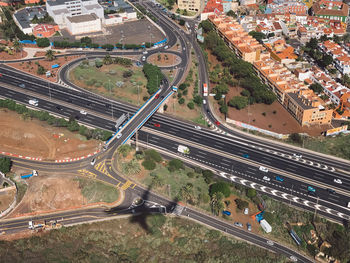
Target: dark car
{"x":59,"y":107}
{"x":331,"y":191}
{"x":108,"y":106}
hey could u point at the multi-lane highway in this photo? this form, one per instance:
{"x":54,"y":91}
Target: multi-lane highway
{"x":236,"y":156}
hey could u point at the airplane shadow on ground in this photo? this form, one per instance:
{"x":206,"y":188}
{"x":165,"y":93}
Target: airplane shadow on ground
{"x":141,"y":213}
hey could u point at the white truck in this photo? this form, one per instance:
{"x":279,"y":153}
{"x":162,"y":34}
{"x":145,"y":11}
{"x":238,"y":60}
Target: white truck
{"x":266,"y":226}
{"x":183,"y":149}
{"x":33,"y":102}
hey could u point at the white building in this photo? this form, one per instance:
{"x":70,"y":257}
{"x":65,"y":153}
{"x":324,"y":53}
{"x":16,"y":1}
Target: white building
{"x":76,"y":13}
{"x":83,"y":24}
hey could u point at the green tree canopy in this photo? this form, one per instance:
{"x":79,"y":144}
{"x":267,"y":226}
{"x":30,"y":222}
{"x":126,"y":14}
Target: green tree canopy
{"x":5,"y":164}
{"x":221,"y":187}
{"x":239,"y":102}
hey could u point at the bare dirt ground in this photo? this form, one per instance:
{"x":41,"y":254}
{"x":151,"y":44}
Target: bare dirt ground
{"x":49,"y":192}
{"x":163,"y":60}
{"x":38,"y":139}
{"x":6,"y":198}
{"x":6,"y":56}
{"x":31,"y":67}
{"x":276,"y":118}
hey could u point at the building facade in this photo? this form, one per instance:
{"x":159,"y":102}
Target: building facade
{"x":191,"y":5}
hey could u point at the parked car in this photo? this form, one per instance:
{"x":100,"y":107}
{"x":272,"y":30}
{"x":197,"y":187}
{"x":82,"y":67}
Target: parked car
{"x":246,"y":211}
{"x":204,"y":102}
{"x":278,"y":178}
{"x":119,"y":135}
{"x":238,"y":224}
{"x":249,"y":227}
{"x":226,"y":212}
{"x":143,"y":58}
{"x":263,"y":169}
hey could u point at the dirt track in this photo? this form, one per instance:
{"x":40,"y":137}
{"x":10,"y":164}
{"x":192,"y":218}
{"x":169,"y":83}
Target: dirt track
{"x":35,"y":138}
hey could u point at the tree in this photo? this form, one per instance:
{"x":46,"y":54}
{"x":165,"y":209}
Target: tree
{"x":296,"y":137}
{"x":50,"y":55}
{"x":181,"y":22}
{"x":221,"y":187}
{"x":326,"y":60}
{"x":207,"y":26}
{"x":17,"y":46}
{"x":41,"y":70}
{"x":312,"y":44}
{"x":231,"y":13}
{"x":153,"y":155}
{"x":43,"y":42}
{"x":238,"y":102}
{"x":257,"y":35}
{"x":216,"y":203}
{"x":107,"y":60}
{"x":86,"y":41}
{"x":175,"y":165}
{"x":149,"y":164}
{"x":316,"y":87}
{"x":190,"y":105}
{"x":224,"y":109}
{"x":221,"y":88}
{"x":208,"y":176}
{"x":186,"y":192}
{"x":5,"y":164}
{"x":251,"y":193}
{"x":241,"y":204}
{"x":181,"y":101}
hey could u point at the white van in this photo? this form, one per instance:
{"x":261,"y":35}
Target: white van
{"x":33,"y":102}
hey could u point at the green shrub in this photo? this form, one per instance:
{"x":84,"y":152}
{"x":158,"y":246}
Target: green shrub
{"x":175,"y":165}
{"x":5,"y":164}
{"x":241,"y":204}
{"x":221,"y":187}
{"x":149,"y":164}
{"x":153,"y":155}
{"x":190,"y":105}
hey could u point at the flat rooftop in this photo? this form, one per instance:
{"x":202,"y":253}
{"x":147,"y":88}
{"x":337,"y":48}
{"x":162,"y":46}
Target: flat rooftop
{"x":82,"y":18}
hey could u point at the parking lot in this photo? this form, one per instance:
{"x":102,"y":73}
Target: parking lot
{"x":133,"y":32}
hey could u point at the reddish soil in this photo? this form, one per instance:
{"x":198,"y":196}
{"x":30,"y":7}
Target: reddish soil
{"x":47,"y":193}
{"x":238,"y":216}
{"x":6,"y":198}
{"x":40,"y":54}
{"x":38,"y":139}
{"x":280,"y":122}
{"x":165,"y":60}
{"x":31,"y":67}
{"x":6,"y":56}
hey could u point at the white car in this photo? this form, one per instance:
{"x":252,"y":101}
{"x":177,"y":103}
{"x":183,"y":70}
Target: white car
{"x":338,"y":181}
{"x":119,"y":135}
{"x":83,"y":112}
{"x":143,"y":58}
{"x":166,"y":47}
{"x":263,"y":169}
{"x":93,"y":161}
{"x":204,"y":102}
{"x":145,"y":52}
{"x":246,"y":211}
{"x":197,"y":127}
{"x":266,"y":178}
{"x":299,"y":156}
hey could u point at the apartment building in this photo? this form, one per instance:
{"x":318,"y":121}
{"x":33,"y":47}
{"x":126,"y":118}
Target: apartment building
{"x":286,"y":7}
{"x":340,"y":56}
{"x":191,"y":5}
{"x":335,"y":10}
{"x":280,"y":51}
{"x":303,"y":104}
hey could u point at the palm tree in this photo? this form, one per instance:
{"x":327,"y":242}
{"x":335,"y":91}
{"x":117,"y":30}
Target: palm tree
{"x":50,"y":55}
{"x":17,"y":46}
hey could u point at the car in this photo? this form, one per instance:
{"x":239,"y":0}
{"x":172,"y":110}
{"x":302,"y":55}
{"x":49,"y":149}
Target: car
{"x":278,"y":178}
{"x":208,"y":111}
{"x":266,"y":178}
{"x":225,"y":212}
{"x":246,"y":211}
{"x":0,"y":75}
{"x":83,"y":112}
{"x":69,"y":100}
{"x":93,"y":161}
{"x":197,"y":127}
{"x":89,"y":104}
{"x":331,"y":191}
{"x":145,"y":52}
{"x":157,"y":96}
{"x":108,"y":106}
{"x":59,"y":107}
{"x":204,"y":102}
{"x":299,"y":156}
{"x":338,"y":181}
{"x":217,"y":123}
{"x":263,"y":169}
{"x":166,"y":47}
{"x":22,"y":85}
{"x":143,"y":58}
{"x":238,"y":224}
{"x":311,"y":189}
{"x":311,"y":193}
{"x":246,"y":155}
{"x":157,"y":125}
{"x":249,"y":227}
{"x":162,"y":97}
{"x":119,"y":135}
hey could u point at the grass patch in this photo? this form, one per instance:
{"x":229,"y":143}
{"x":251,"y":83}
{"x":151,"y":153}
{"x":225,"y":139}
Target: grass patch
{"x":105,"y":81}
{"x":95,"y":191}
{"x":200,"y":120}
{"x":127,"y":240}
